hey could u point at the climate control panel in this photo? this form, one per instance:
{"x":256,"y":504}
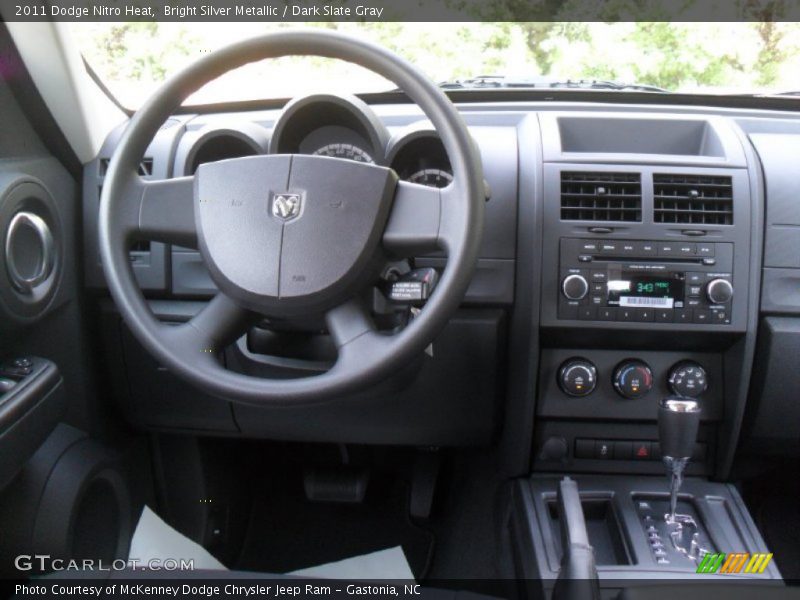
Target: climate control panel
{"x":635,"y":281}
{"x":607,"y":384}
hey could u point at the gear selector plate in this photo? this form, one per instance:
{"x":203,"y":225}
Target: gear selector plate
{"x":682,"y":543}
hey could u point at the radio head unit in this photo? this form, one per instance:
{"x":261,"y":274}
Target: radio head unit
{"x":646,"y":281}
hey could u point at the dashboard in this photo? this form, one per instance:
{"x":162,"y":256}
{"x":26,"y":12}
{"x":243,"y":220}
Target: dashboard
{"x":630,"y":252}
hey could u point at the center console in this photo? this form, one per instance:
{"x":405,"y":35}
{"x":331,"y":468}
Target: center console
{"x":624,"y":521}
{"x":648,"y":302}
{"x":646,"y":286}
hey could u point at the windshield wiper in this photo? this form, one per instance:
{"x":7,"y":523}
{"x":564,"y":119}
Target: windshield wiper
{"x":501,"y":82}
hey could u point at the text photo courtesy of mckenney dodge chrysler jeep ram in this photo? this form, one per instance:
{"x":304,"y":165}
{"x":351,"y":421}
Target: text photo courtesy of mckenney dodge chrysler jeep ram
{"x":492,"y":298}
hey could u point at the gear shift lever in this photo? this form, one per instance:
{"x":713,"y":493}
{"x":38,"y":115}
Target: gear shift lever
{"x":678,"y":421}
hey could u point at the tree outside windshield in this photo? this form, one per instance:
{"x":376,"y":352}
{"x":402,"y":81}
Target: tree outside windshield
{"x":132,"y":59}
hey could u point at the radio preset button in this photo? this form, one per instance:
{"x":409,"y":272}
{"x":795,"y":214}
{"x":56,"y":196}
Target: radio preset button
{"x":607,"y":313}
{"x":705,"y":250}
{"x":702,"y":317}
{"x":626,"y":314}
{"x":667,"y":249}
{"x":664,"y":315}
{"x":587,"y":313}
{"x":683,"y":316}
{"x":645,"y":315}
{"x":609,"y":247}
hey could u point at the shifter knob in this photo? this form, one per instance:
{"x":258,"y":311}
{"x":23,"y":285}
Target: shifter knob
{"x":678,"y":421}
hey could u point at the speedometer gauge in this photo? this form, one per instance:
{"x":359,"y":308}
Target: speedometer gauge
{"x":348,"y":151}
{"x":431,"y":177}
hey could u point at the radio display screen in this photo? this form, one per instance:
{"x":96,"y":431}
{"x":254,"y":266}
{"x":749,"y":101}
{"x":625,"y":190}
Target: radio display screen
{"x":646,"y":291}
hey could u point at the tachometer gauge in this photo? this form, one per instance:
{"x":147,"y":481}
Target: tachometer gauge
{"x":348,"y":151}
{"x":432,"y":178}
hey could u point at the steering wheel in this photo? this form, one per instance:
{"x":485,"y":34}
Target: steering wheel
{"x":290,"y":235}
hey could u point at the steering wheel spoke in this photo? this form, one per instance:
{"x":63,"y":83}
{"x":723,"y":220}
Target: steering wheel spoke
{"x":221,"y":322}
{"x":423,"y":220}
{"x":355,"y":336}
{"x":165,"y":211}
{"x":348,"y":321}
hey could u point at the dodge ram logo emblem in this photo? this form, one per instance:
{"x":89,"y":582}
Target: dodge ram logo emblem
{"x":286,"y":206}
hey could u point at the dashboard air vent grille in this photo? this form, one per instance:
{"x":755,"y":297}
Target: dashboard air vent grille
{"x":145,"y":167}
{"x":601,"y":196}
{"x":695,"y":199}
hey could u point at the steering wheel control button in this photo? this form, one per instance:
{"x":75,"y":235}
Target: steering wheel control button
{"x":688,"y":379}
{"x":574,"y":287}
{"x":577,"y":377}
{"x":633,"y":379}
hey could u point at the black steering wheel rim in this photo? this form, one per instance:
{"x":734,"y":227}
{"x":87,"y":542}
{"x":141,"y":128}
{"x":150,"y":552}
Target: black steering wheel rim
{"x":369,"y":357}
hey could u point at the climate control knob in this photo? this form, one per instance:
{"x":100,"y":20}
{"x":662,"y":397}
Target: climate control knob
{"x":687,"y":379}
{"x":575,"y":287}
{"x":577,"y":377}
{"x":719,"y":291}
{"x":633,"y":379}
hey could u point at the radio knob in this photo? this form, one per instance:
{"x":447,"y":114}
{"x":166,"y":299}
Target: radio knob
{"x":633,"y":379}
{"x":687,"y":379}
{"x":575,"y":287}
{"x":577,"y":377}
{"x":719,"y":291}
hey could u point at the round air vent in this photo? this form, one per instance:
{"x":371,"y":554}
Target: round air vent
{"x":30,"y":247}
{"x":30,"y":251}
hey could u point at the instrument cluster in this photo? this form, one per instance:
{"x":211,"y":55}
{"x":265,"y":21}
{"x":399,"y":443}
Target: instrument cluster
{"x":346,"y":127}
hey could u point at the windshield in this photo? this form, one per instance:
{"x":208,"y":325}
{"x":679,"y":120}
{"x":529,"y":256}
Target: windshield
{"x":132,"y":59}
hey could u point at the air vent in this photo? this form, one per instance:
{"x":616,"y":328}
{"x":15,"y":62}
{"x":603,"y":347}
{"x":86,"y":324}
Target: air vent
{"x":693,"y":199}
{"x":145,"y":167}
{"x":601,"y":196}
